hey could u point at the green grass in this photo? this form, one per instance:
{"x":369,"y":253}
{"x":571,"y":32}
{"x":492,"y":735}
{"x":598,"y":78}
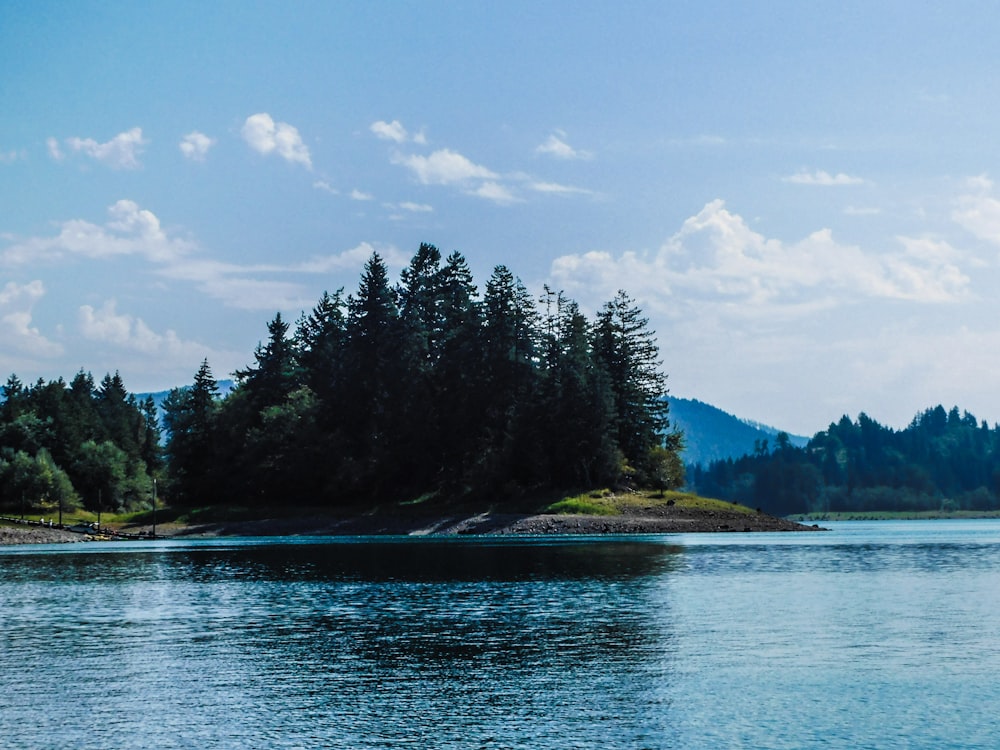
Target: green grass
{"x":586,"y":505}
{"x":604,"y":502}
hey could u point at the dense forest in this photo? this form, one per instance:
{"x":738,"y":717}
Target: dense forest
{"x":66,"y":445}
{"x":943,"y":460}
{"x":398,"y":391}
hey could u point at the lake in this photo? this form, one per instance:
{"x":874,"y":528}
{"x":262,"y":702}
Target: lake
{"x":873,"y":635}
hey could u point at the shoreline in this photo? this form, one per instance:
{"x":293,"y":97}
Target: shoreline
{"x":647,"y":520}
{"x":666,"y":521}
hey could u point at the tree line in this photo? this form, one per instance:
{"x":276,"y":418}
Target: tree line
{"x":943,"y":460}
{"x":398,"y":391}
{"x":425,"y":387}
{"x":76,"y":444}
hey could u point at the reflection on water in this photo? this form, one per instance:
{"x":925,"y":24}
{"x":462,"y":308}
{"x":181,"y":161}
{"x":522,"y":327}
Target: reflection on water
{"x":879,"y":636}
{"x":352,"y":644}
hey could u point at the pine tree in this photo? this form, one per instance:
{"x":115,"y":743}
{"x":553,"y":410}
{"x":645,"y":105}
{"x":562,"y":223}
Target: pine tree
{"x":584,"y":452}
{"x":190,"y":420}
{"x":510,"y":349}
{"x":459,"y":375}
{"x":319,"y":343}
{"x":626,"y":348}
{"x":276,"y":373}
{"x":372,"y":379}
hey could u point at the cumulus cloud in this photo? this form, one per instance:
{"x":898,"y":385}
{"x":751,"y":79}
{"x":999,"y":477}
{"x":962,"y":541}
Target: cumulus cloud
{"x":716,"y":259}
{"x":121,"y":152}
{"x":17,"y":333}
{"x":106,"y":325}
{"x":447,"y":167}
{"x":395,"y":132}
{"x":266,"y":136}
{"x":443,"y":167}
{"x":195,"y":145}
{"x":821,"y":178}
{"x":555,"y":145}
{"x":978,"y":212}
{"x":389,"y":131}
{"x":359,"y":195}
{"x":130,"y":230}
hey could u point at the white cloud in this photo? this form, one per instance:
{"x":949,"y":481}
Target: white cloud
{"x":443,"y":167}
{"x":239,"y":286}
{"x":244,"y":286}
{"x":131,"y":230}
{"x":979,"y":212}
{"x":495,"y":192}
{"x":352,"y":259}
{"x":54,"y":151}
{"x":195,"y":145}
{"x":266,"y":136}
{"x":862,"y":211}
{"x":416,"y":207}
{"x":821,"y":178}
{"x":17,"y":302}
{"x":389,"y":131}
{"x":716,"y":260}
{"x":557,"y":189}
{"x":556,"y":145}
{"x":106,"y":325}
{"x":121,"y":152}
{"x":358,"y":195}
{"x":325,"y":187}
{"x":395,"y":132}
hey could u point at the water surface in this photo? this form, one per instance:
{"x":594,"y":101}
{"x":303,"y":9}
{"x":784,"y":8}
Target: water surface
{"x":873,"y":635}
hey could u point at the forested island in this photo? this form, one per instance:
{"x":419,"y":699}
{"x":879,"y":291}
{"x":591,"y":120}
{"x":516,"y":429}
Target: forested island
{"x":427,"y":394}
{"x":944,"y":461}
{"x":415,"y":391}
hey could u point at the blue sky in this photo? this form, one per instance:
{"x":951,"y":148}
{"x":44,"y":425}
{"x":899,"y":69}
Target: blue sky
{"x":799,"y":195}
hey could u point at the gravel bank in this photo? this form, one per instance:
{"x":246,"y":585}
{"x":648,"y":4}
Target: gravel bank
{"x":652,"y":520}
{"x":37,"y":535}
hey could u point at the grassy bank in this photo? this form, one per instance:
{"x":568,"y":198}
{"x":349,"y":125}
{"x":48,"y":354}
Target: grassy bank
{"x":605,"y":502}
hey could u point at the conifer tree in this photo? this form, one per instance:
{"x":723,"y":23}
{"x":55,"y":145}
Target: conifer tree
{"x":276,"y":372}
{"x":626,"y":348}
{"x":372,"y":378}
{"x":190,"y":420}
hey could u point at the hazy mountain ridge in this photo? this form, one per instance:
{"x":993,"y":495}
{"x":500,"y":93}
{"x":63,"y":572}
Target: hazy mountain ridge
{"x":711,"y":434}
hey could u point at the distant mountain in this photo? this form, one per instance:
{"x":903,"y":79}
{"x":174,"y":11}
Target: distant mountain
{"x":711,"y":434}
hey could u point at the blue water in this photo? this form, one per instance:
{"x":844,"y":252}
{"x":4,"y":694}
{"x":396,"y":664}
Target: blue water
{"x":873,"y":635}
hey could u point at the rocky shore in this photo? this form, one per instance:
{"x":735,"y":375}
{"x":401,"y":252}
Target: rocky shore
{"x":659,"y":519}
{"x":36,"y":535}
